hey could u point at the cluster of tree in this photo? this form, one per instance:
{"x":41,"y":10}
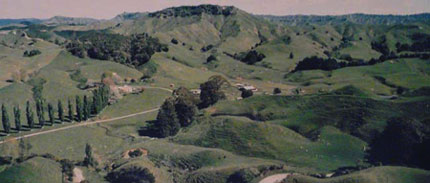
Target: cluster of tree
{"x":186,"y":11}
{"x":84,"y":110}
{"x":133,"y":174}
{"x":250,"y":57}
{"x":134,"y":50}
{"x":206,"y":48}
{"x":381,"y":46}
{"x":314,"y":62}
{"x":176,"y":112}
{"x":211,"y":91}
{"x":421,"y":44}
{"x":31,"y":53}
{"x":180,"y":109}
{"x":404,"y":141}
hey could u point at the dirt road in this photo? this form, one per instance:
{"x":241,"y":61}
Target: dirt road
{"x":275,"y":178}
{"x":77,"y":125}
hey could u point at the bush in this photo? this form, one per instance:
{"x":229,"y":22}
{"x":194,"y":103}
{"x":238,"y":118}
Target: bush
{"x":246,"y":93}
{"x":211,"y":58}
{"x":250,"y":57}
{"x":276,"y":91}
{"x":174,"y":41}
{"x":32,"y":53}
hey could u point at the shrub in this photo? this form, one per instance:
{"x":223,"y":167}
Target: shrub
{"x":174,"y":41}
{"x":32,"y":53}
{"x":246,"y":93}
{"x":276,"y":91}
{"x":211,"y":58}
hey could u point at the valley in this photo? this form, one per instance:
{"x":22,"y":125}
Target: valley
{"x":214,"y":94}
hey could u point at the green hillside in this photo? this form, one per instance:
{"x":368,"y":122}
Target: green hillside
{"x":214,"y":94}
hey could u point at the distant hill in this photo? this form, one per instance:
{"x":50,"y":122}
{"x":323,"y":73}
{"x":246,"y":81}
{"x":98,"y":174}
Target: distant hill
{"x":352,"y":18}
{"x":25,"y":21}
{"x":60,"y":20}
{"x":128,"y":16}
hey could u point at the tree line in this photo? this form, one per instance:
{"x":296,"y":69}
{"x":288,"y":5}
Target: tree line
{"x":81,"y":110}
{"x":329,"y":64}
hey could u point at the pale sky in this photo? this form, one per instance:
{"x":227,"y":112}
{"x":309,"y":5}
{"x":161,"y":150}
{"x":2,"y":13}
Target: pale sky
{"x":107,"y":9}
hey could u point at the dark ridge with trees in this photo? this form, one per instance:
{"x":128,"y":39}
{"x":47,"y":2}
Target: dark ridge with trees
{"x":134,"y":50}
{"x":186,"y":11}
{"x":366,"y":19}
{"x":405,"y":141}
{"x":421,"y":43}
{"x":381,"y":46}
{"x":317,"y":63}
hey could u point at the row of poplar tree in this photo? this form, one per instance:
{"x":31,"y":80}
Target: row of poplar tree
{"x":85,"y":108}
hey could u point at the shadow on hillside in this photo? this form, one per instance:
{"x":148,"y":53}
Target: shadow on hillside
{"x":149,"y":130}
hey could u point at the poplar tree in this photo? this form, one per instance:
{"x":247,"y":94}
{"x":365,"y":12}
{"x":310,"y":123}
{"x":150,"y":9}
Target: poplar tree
{"x":96,"y":103}
{"x":5,"y":119}
{"x":86,"y":112}
{"x":60,"y":111}
{"x":30,"y":116}
{"x":17,"y":115}
{"x":51,"y":113}
{"x":70,"y":107}
{"x":78,"y":109}
{"x":40,"y":112}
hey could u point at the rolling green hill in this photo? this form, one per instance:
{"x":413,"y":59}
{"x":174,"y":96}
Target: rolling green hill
{"x":306,"y":118}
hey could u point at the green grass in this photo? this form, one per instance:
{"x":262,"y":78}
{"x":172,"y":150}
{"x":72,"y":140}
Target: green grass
{"x":332,"y":150}
{"x":35,"y":170}
{"x":134,"y":103}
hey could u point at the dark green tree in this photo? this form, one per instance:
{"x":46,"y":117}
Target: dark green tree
{"x":96,"y":102}
{"x":211,"y":91}
{"x":167,"y":123}
{"x":51,"y":114}
{"x":17,"y":115}
{"x":29,"y":115}
{"x":185,"y":105}
{"x":5,"y":119}
{"x":89,"y":160}
{"x":70,"y":107}
{"x":60,"y":111}
{"x":86,"y":110}
{"x":246,"y":93}
{"x":79,"y":109}
{"x":40,"y":112}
